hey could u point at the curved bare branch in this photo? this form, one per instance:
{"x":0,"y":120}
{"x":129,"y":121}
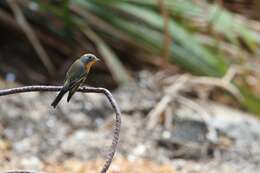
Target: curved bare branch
{"x":110,"y":98}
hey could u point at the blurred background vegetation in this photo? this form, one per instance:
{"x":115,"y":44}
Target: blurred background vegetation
{"x":41,"y":38}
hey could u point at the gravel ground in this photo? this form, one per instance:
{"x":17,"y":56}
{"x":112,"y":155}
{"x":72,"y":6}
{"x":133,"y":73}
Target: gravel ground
{"x":32,"y":134}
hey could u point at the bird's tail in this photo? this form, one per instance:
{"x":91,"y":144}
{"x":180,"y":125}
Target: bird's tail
{"x":59,"y":96}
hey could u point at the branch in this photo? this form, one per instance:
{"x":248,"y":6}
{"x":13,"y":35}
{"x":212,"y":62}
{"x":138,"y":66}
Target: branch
{"x":167,"y":38}
{"x":186,"y":81}
{"x":225,"y":82}
{"x":172,"y":91}
{"x":110,"y":98}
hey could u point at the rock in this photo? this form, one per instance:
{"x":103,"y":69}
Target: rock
{"x":32,"y":163}
{"x":241,"y":126}
{"x":236,"y":131}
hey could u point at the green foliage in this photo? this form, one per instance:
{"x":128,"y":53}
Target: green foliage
{"x":251,"y":102}
{"x":140,"y":22}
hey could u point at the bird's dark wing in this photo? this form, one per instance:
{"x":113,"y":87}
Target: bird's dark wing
{"x":75,"y":87}
{"x":75,"y":74}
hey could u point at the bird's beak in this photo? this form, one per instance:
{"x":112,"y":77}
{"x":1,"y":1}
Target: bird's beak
{"x":97,"y":59}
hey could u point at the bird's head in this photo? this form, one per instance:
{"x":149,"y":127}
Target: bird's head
{"x":88,"y":60}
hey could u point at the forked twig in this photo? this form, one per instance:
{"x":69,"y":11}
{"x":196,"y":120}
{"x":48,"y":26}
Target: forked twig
{"x":110,"y":98}
{"x":225,"y":82}
{"x":185,"y":82}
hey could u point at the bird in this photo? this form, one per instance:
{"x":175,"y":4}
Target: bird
{"x":75,"y":76}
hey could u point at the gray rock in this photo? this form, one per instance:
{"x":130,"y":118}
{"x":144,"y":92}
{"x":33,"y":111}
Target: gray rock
{"x":241,"y":126}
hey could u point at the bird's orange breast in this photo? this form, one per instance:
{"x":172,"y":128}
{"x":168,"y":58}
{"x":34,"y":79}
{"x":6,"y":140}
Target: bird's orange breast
{"x":88,"y":65}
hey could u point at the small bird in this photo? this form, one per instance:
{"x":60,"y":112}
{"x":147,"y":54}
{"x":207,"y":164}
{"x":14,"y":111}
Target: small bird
{"x":75,"y":76}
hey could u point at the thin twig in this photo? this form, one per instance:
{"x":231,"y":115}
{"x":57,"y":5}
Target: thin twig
{"x":154,"y":114}
{"x":109,"y":96}
{"x":167,"y":37}
{"x":21,"y":20}
{"x":169,"y":116}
